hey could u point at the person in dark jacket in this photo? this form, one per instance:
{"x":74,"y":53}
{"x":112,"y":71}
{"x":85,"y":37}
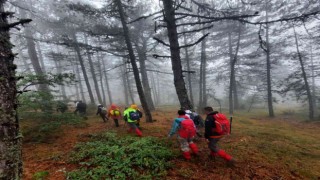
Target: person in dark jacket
{"x":102,"y":112}
{"x":81,"y":108}
{"x":213,"y":137}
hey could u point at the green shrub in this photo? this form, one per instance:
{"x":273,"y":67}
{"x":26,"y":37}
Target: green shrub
{"x":108,"y":156}
{"x":41,"y":175}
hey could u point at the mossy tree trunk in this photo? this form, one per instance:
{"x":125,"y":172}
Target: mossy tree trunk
{"x":10,"y":141}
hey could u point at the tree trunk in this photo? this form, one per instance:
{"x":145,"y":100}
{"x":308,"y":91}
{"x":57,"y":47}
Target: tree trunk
{"x":10,"y":139}
{"x":231,"y":75}
{"x":101,"y":69}
{"x":125,"y":85}
{"x":80,"y":83}
{"x":144,"y":75}
{"x":200,"y":87}
{"x":269,"y":89}
{"x":154,"y":89}
{"x":33,"y":54}
{"x":107,"y":82}
{"x":188,"y":69}
{"x":179,"y":83}
{"x":94,"y":77}
{"x":129,"y":88}
{"x":233,"y":94}
{"x":204,"y":73}
{"x":59,"y":67}
{"x":304,"y":76}
{"x":133,"y":62}
{"x":313,"y":83}
{"x":43,"y":67}
{"x":77,"y":49}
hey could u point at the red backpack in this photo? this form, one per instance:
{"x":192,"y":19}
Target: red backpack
{"x":222,"y":124}
{"x":187,"y":129}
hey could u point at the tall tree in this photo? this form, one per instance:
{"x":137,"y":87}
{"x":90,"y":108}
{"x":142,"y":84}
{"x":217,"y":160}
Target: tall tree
{"x":169,"y":16}
{"x":304,"y":76}
{"x":133,"y":61}
{"x":92,"y":70}
{"x":187,"y":58}
{"x":83,"y":68}
{"x":10,"y":139}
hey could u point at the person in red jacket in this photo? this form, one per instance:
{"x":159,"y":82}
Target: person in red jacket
{"x":213,"y":137}
{"x":186,"y":132}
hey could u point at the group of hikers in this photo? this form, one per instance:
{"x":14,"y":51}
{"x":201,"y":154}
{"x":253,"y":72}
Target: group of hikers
{"x":187,"y":126}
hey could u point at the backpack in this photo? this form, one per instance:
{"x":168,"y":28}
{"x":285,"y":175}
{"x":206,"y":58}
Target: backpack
{"x":140,"y":113}
{"x":103,"y":110}
{"x":222,"y":124}
{"x":191,"y":115}
{"x":134,"y":115}
{"x":115,"y":112}
{"x":187,"y":129}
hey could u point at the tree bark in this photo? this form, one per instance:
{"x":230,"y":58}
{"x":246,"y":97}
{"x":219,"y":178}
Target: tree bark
{"x":94,"y":77}
{"x":169,"y":13}
{"x":133,"y":62}
{"x":83,"y":68}
{"x":269,"y":88}
{"x":188,"y":69}
{"x":10,"y":139}
{"x":304,"y":76}
{"x":144,"y":75}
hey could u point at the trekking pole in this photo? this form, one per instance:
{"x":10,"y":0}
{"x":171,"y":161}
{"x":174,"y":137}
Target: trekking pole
{"x":230,"y":123}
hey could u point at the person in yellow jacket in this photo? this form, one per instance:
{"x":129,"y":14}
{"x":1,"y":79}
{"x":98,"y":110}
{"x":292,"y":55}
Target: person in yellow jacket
{"x":115,"y":114}
{"x":132,"y":116}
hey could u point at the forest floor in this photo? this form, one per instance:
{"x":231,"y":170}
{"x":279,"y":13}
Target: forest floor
{"x":264,"y":148}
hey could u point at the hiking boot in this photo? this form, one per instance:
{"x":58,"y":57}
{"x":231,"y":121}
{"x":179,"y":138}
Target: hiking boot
{"x":231,"y":163}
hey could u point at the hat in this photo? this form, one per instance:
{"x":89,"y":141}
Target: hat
{"x":134,"y":106}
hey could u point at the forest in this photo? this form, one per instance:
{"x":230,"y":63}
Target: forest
{"x":90,"y":89}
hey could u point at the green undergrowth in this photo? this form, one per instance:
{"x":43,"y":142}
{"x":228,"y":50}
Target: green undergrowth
{"x":109,"y":156}
{"x":39,"y":127}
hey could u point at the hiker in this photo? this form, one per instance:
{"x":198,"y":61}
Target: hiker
{"x":132,"y":116}
{"x":102,"y":112}
{"x":216,"y":126}
{"x":197,"y":120}
{"x":134,"y":106}
{"x":81,"y":108}
{"x":186,"y":132}
{"x":115,"y":114}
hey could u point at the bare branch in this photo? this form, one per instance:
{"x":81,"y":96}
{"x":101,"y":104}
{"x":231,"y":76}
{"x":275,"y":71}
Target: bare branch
{"x":12,"y":25}
{"x":160,"y":41}
{"x":302,"y":17}
{"x":196,"y":30}
{"x":189,"y":45}
{"x":144,"y":17}
{"x":157,"y":56}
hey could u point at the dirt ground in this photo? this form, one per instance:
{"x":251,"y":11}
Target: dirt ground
{"x":258,"y":155}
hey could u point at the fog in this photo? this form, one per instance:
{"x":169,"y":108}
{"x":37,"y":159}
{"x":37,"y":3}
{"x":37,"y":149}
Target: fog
{"x":234,"y":54}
